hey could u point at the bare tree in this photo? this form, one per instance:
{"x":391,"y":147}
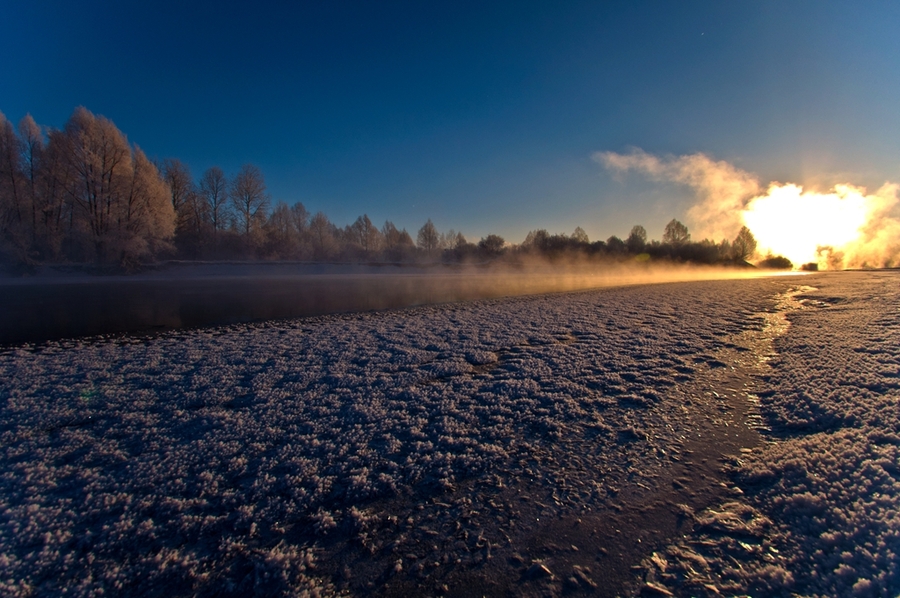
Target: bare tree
{"x":56,"y":221}
{"x":13,"y":205}
{"x":300,"y":218}
{"x":31,"y":143}
{"x":320,"y":229}
{"x":428,"y":238}
{"x":249,"y":198}
{"x":366,"y":234}
{"x":214,"y":192}
{"x":676,"y":234}
{"x":744,"y":245}
{"x":181,"y":185}
{"x":283,"y":238}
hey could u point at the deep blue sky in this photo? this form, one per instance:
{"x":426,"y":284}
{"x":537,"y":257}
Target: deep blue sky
{"x":482,"y":116}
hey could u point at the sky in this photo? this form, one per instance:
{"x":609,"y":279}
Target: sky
{"x":485,"y":117}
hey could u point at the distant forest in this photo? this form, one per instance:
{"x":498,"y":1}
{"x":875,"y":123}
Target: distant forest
{"x":84,"y":195}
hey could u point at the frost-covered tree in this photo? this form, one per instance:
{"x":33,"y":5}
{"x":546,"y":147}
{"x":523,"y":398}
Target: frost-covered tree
{"x":249,"y":198}
{"x":676,"y":234}
{"x":181,"y":187}
{"x":321,"y":233}
{"x":31,"y":144}
{"x":14,"y":207}
{"x":300,"y":218}
{"x":428,"y":238}
{"x":282,"y":239}
{"x":119,"y":200}
{"x":366,"y":234}
{"x":394,"y":238}
{"x":744,"y":245}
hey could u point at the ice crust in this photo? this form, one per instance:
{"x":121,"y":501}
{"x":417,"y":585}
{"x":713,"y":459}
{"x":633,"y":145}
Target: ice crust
{"x":820,"y":515}
{"x":238,"y":459}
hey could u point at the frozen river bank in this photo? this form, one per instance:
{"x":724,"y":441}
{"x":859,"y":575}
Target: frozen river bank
{"x":544,"y":443}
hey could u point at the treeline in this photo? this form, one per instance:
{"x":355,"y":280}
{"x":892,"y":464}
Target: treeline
{"x":83,"y":194}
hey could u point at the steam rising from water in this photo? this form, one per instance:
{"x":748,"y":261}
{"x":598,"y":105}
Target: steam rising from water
{"x":845,"y":227}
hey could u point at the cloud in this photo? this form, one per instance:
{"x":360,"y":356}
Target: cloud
{"x":844,"y":227}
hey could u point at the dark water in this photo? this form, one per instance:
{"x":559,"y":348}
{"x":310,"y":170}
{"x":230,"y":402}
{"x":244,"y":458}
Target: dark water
{"x":38,"y":312}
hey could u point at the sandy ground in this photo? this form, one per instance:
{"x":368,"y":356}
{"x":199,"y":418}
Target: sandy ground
{"x":710,"y":437}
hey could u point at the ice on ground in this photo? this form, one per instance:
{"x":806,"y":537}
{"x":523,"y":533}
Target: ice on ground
{"x":827,"y":484}
{"x":349,"y":453}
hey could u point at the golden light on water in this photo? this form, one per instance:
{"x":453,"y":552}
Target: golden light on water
{"x":795,"y":223}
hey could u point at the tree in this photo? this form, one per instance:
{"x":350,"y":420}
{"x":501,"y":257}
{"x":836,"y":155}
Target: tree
{"x":214,"y":192}
{"x":428,"y":238}
{"x":13,"y":208}
{"x":637,"y":239}
{"x":282,"y":237}
{"x":580,"y":237}
{"x":492,"y":244}
{"x":537,"y":239}
{"x":744,"y":245}
{"x":322,"y":237}
{"x":249,"y":198}
{"x":147,"y":220}
{"x":448,"y":240}
{"x":31,"y":144}
{"x":615,"y":245}
{"x":120,"y":204}
{"x":55,"y":216}
{"x":300,"y":218}
{"x":181,"y":186}
{"x":676,"y":234}
{"x":366,"y":234}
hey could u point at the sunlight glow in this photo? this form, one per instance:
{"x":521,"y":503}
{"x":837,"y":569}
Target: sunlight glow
{"x":796,"y":224}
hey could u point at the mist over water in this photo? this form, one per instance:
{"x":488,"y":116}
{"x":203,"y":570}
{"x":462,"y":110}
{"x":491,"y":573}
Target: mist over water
{"x":53,"y":308}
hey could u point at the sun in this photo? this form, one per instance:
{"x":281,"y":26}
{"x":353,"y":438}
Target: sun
{"x":801,"y":224}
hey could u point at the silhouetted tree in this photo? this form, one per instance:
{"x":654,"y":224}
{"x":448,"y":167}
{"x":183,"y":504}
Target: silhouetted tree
{"x":615,"y":245}
{"x":637,"y":239}
{"x":214,"y":193}
{"x":579,"y":236}
{"x":492,"y":245}
{"x":776,"y":262}
{"x":676,"y":234}
{"x":428,"y":238}
{"x":536,"y":240}
{"x":744,"y":245}
{"x":249,"y":198}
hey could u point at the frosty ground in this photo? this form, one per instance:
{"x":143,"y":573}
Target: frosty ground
{"x":723,"y":436}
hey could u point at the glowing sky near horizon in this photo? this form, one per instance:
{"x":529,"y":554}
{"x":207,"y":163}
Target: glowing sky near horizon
{"x":482,"y":117}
